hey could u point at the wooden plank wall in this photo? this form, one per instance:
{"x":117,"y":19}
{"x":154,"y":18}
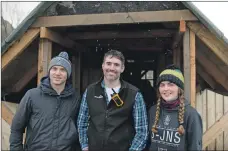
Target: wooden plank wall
{"x":5,"y":135}
{"x":226,"y":132}
{"x":6,"y":127}
{"x":211,"y":106}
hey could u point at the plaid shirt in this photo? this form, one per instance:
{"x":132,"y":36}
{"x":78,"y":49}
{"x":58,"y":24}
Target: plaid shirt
{"x":140,"y":122}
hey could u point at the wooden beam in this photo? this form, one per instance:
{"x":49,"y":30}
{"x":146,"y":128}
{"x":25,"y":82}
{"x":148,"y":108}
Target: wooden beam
{"x":215,"y":130}
{"x":187,"y":67}
{"x":206,"y":76}
{"x":177,"y":39}
{"x":122,"y":34}
{"x":176,"y":46}
{"x":182,"y":27}
{"x":212,"y":69}
{"x":177,"y":57}
{"x":25,"y":79}
{"x":44,"y":57}
{"x":215,"y":45}
{"x":7,"y":114}
{"x":115,"y":18}
{"x":179,"y":35}
{"x":193,"y":68}
{"x":59,"y":39}
{"x":19,"y":46}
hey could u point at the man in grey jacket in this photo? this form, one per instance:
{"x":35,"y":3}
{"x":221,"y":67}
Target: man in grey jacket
{"x":49,"y":112}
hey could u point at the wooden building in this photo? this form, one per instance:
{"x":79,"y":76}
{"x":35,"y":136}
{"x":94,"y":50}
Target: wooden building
{"x":151,"y":35}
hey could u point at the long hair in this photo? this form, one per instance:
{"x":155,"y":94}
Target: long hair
{"x":181,"y":111}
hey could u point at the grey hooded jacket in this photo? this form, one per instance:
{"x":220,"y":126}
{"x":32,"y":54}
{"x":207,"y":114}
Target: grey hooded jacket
{"x":50,"y":119}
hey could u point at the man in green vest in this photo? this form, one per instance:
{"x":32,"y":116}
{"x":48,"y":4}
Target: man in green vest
{"x":112,"y":115}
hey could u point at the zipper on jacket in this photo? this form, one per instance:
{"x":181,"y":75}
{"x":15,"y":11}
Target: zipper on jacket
{"x":106,"y":113}
{"x":106,"y":107}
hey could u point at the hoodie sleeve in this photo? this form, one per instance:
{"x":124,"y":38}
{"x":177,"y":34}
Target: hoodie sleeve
{"x":194,"y":131}
{"x":19,"y":123}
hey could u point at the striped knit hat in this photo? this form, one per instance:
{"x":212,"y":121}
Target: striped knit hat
{"x":172,"y":74}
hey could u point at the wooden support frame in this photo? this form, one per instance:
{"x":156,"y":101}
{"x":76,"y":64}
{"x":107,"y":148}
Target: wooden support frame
{"x":177,"y":57}
{"x":216,"y":46}
{"x":44,"y":57}
{"x":115,"y":18}
{"x":189,"y":66}
{"x":25,"y":79}
{"x":212,"y":69}
{"x":179,"y":35}
{"x":215,"y":130}
{"x":7,"y":114}
{"x":187,"y":72}
{"x":177,"y":39}
{"x":122,"y":34}
{"x":193,"y":68}
{"x":19,"y":46}
{"x":59,"y":39}
{"x":176,"y":46}
{"x":182,"y":27}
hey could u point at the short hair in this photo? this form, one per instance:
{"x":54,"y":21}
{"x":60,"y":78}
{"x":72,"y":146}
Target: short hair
{"x":115,"y":53}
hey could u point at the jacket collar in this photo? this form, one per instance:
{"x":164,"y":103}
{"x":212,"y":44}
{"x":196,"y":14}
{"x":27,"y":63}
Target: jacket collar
{"x":46,"y":87}
{"x":102,"y":84}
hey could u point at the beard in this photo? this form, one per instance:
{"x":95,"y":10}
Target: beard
{"x":111,"y":77}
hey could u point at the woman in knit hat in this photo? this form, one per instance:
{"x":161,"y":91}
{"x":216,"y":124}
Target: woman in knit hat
{"x":173,"y":123}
